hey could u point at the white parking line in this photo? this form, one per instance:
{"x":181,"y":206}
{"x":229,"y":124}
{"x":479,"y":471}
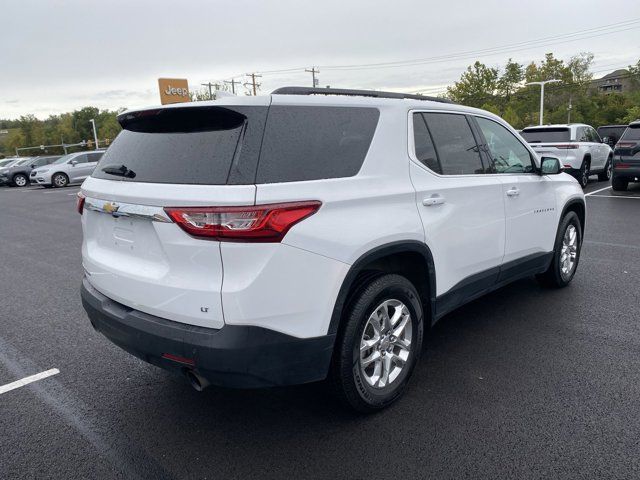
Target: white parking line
{"x":27,"y":380}
{"x":614,"y":196}
{"x":596,"y":191}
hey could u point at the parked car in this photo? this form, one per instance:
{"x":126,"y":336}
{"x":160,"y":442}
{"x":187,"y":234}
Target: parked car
{"x":626,"y":158}
{"x":347,"y":224}
{"x":18,"y":174}
{"x":72,"y":168}
{"x":578,"y":146}
{"x":610,"y":134}
{"x":6,"y":172}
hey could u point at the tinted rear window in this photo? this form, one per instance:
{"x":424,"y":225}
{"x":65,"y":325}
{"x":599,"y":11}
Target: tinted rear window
{"x":310,"y":143}
{"x":194,"y":145}
{"x":546,"y":135}
{"x":631,"y":133}
{"x":610,"y":131}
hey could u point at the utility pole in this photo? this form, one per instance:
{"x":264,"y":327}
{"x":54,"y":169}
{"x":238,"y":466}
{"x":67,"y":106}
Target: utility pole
{"x":569,"y":111}
{"x":253,"y":83}
{"x":233,"y":82}
{"x":542,"y":84}
{"x":95,"y":134}
{"x":209,"y":84}
{"x":313,"y":72}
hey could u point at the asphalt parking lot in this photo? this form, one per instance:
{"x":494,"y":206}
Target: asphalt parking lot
{"x":523,"y":383}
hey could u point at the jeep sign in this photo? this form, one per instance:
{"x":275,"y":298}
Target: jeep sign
{"x":173,"y":90}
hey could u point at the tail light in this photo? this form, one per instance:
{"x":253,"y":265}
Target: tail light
{"x":568,"y":146}
{"x":625,"y":144}
{"x":259,"y":223}
{"x":80,"y":202}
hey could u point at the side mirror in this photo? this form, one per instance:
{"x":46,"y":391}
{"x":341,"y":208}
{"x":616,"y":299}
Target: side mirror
{"x":550,"y":166}
{"x":73,"y":162}
{"x":33,"y":165}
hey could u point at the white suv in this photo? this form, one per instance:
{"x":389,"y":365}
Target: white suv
{"x":71,"y":168}
{"x":283,"y":239}
{"x":578,"y":146}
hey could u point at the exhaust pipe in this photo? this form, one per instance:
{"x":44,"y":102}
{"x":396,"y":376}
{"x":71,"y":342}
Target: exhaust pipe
{"x":197,"y":381}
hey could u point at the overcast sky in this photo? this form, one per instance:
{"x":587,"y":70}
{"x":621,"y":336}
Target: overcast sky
{"x":57,"y":55}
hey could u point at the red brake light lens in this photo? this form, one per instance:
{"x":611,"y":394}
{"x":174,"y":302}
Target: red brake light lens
{"x":259,"y":223}
{"x":80,"y":202}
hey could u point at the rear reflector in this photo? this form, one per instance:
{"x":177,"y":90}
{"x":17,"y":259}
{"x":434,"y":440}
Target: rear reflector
{"x":259,"y":223}
{"x":178,"y":358}
{"x":80,"y":202}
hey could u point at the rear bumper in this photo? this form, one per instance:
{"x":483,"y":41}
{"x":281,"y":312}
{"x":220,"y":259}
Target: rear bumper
{"x":628,"y":173}
{"x":232,"y":356}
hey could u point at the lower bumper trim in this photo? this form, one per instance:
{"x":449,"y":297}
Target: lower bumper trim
{"x":233,"y":356}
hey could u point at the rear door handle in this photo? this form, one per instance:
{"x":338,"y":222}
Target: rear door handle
{"x":513,"y":192}
{"x":435,"y":199}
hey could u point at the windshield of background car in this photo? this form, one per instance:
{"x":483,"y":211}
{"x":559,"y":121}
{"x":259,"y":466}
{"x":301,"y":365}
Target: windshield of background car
{"x":7,"y":162}
{"x":546,"y":135}
{"x":63,"y":159}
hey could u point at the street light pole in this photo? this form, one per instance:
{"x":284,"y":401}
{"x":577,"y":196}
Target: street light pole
{"x":95,"y":134}
{"x":542,"y":84}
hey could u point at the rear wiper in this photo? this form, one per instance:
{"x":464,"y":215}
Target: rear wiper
{"x":121,"y":171}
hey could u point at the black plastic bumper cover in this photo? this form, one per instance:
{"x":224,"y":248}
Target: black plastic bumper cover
{"x":233,"y":356}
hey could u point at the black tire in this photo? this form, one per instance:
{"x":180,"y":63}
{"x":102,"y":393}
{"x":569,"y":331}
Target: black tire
{"x":348,"y":378}
{"x":59,"y":180}
{"x":606,"y":174}
{"x":554,"y":277}
{"x":619,"y":184}
{"x":20,"y":180}
{"x":583,"y":174}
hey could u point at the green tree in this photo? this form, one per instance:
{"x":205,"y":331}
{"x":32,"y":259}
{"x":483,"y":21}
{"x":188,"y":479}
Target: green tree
{"x":476,"y":86}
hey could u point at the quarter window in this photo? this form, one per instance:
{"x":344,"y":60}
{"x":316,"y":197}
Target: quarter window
{"x":508,"y":155}
{"x":425,"y":151}
{"x":455,"y":144}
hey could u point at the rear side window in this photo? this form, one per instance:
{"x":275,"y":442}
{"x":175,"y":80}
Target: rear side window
{"x":631,"y":133}
{"x":548,"y":135}
{"x":454,"y":141}
{"x":94,"y":157}
{"x":311,"y":143}
{"x":193,"y":145}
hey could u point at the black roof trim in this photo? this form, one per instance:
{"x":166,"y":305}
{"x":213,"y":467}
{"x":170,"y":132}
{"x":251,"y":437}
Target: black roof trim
{"x":354,"y":93}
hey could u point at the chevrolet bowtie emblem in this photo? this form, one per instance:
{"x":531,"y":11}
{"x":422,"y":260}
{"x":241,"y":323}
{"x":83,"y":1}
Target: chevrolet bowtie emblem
{"x":110,"y":207}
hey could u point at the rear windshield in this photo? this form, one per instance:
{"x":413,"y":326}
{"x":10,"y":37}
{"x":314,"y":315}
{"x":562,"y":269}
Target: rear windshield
{"x":632,"y":133}
{"x":310,"y":143}
{"x":232,"y":145}
{"x":196,"y":145}
{"x":546,"y":135}
{"x":610,"y":131}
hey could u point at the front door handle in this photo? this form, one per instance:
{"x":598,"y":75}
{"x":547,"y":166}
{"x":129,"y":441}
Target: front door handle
{"x":513,"y":192}
{"x":433,"y":200}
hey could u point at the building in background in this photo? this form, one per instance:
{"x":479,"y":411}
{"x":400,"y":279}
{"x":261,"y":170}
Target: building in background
{"x":618,"y":81}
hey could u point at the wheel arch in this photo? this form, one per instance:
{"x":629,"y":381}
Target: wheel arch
{"x":410,"y":258}
{"x":578,"y":206}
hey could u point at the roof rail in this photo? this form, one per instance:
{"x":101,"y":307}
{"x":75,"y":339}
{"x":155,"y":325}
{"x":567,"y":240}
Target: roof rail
{"x":354,"y":93}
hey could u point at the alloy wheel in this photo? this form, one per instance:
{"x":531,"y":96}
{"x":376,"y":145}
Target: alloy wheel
{"x":386,"y":343}
{"x":20,"y":181}
{"x":60,"y":181}
{"x":569,"y":252}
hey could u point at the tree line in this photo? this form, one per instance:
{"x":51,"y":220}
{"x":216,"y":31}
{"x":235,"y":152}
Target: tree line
{"x":574,"y":98}
{"x":499,"y":90}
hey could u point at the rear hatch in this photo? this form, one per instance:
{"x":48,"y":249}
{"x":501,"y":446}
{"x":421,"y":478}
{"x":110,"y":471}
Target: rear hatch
{"x":627,"y":149}
{"x":549,"y":141}
{"x":170,"y":157}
